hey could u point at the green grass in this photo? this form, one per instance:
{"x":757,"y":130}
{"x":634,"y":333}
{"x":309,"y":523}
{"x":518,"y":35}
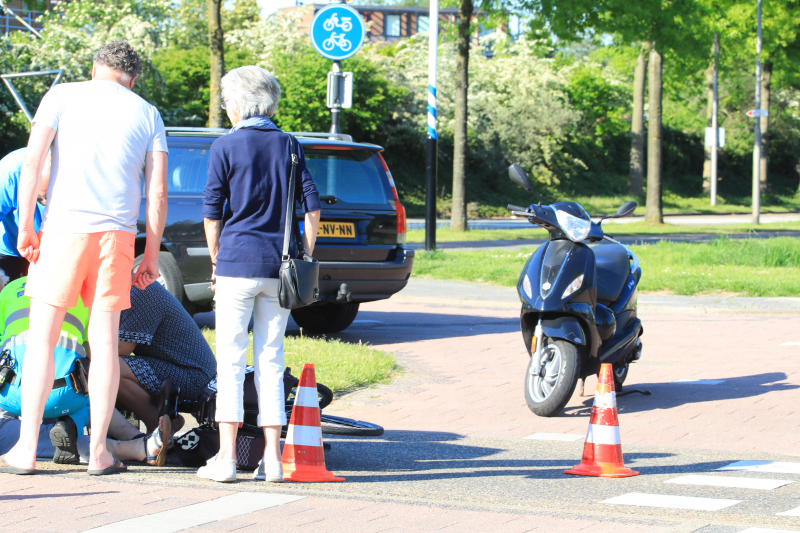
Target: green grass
{"x":749,"y":267}
{"x":342,"y":366}
{"x":633,"y":228}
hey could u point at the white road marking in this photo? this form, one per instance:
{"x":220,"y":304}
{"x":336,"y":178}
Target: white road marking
{"x":566,"y":437}
{"x":790,"y":344}
{"x":198,"y":514}
{"x":765,"y":530}
{"x":764,"y":466}
{"x":700,"y":381}
{"x":793,"y":512}
{"x":734,"y":482}
{"x":672,"y":502}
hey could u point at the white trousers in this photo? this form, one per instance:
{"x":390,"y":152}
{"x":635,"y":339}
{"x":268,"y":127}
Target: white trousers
{"x":237,"y":299}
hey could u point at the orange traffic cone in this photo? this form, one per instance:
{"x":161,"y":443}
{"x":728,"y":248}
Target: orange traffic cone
{"x":602,"y":453}
{"x":303,"y":456}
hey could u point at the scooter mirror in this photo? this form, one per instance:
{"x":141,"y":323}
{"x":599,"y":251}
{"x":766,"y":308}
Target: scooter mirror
{"x":626,"y":209}
{"x":520,"y":177}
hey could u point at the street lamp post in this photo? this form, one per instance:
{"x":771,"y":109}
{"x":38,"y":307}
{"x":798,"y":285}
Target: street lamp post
{"x":757,"y":128}
{"x":432,"y":142}
{"x":715,"y":128}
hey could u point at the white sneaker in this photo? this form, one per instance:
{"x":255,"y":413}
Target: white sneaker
{"x":218,"y":470}
{"x":272,"y":472}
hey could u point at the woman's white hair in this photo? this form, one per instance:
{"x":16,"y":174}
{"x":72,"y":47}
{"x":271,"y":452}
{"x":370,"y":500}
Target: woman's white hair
{"x":254,"y":90}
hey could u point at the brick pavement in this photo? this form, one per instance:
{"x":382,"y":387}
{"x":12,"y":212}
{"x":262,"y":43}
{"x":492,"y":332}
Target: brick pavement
{"x":463,"y":374}
{"x":464,"y":369}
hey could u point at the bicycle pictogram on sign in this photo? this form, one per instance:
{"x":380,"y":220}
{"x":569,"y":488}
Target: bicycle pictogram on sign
{"x":337,"y":32}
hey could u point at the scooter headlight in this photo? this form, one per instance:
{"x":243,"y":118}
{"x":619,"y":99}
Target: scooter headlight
{"x":526,"y":287}
{"x":572,"y":287}
{"x":576,"y":228}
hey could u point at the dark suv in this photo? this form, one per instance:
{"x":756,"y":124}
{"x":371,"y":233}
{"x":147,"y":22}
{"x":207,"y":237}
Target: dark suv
{"x":359,"y":244}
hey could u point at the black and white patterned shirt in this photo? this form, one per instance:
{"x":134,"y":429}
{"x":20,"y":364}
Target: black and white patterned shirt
{"x":162,"y":329}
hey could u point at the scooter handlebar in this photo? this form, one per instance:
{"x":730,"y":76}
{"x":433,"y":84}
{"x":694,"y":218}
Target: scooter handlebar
{"x":512,"y":207}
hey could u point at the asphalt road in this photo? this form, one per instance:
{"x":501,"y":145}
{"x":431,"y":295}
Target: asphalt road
{"x":676,"y":219}
{"x":460,"y":246}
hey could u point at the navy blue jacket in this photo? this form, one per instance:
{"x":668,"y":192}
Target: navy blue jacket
{"x":249,"y":169}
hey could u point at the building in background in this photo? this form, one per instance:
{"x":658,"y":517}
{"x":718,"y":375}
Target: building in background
{"x":387,"y":23}
{"x":9,"y":23}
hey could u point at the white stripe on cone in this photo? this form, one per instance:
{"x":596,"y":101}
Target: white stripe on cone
{"x":304,"y":435}
{"x":603,"y":434}
{"x":605,"y":401}
{"x":306,"y":397}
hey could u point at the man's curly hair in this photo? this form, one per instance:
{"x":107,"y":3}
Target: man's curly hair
{"x":119,"y":56}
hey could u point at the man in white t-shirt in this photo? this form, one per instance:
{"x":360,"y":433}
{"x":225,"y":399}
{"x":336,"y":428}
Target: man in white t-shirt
{"x":104,"y":138}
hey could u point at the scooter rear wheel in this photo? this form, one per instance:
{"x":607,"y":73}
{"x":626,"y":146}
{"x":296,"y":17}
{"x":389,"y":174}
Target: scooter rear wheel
{"x":548,"y":392}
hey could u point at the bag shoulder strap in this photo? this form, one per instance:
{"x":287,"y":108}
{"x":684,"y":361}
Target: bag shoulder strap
{"x":287,"y":232}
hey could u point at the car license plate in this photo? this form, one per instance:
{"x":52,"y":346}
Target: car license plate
{"x":337,"y":230}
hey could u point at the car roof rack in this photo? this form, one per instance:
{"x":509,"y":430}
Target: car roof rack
{"x":334,"y":136}
{"x":203,"y":132}
{"x":189,"y":132}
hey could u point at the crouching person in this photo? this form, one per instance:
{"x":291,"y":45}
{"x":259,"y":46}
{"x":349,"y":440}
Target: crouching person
{"x":161,"y":348}
{"x":68,"y":405}
{"x":67,"y":409}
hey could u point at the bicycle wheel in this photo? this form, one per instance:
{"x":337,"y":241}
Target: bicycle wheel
{"x":325,"y":396}
{"x":335,"y":425}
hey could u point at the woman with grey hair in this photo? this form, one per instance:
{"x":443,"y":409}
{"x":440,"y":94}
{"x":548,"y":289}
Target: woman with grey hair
{"x":249,"y":169}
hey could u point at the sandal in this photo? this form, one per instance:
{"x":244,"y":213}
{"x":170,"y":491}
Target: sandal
{"x":116,"y":468}
{"x":160,"y":438}
{"x":6,"y":468}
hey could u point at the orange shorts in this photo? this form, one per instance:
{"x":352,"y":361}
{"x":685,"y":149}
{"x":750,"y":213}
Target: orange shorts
{"x":96,"y":266}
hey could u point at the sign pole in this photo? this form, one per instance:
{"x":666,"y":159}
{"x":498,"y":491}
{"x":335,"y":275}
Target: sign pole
{"x":431,"y":157}
{"x":337,"y":32}
{"x":715,"y":127}
{"x":335,"y":94}
{"x":757,"y":128}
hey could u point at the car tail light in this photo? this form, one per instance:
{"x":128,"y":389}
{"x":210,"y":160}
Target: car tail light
{"x":401,"y":211}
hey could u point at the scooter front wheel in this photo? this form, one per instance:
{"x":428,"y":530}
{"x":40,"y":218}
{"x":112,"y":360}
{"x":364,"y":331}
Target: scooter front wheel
{"x":549,"y":390}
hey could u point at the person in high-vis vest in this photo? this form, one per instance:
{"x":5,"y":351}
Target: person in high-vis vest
{"x":69,"y":406}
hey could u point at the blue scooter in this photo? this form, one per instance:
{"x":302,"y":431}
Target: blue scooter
{"x":578,"y":294}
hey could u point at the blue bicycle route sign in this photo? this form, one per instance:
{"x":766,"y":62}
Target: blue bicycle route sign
{"x":337,"y":32}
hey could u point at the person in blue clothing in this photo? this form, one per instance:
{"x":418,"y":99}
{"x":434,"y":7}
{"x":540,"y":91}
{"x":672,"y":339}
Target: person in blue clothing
{"x":14,"y":265}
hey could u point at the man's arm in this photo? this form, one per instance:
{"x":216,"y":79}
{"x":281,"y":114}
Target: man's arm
{"x":38,"y":144}
{"x":310,"y":231}
{"x":155,"y":176}
{"x":213,"y":231}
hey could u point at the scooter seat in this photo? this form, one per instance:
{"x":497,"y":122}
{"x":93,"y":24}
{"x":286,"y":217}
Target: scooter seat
{"x":613,"y":268}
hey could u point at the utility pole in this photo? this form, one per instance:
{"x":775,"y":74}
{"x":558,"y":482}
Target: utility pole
{"x":431,"y":157}
{"x":757,"y":128}
{"x":715,"y":127}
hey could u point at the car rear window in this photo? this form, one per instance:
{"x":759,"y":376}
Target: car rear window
{"x":187,"y":169}
{"x":352,"y":176}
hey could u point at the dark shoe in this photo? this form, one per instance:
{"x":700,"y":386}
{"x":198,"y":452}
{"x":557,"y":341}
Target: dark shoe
{"x":64,"y":436}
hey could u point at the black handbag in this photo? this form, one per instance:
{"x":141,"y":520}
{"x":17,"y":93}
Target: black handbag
{"x":298,"y":279}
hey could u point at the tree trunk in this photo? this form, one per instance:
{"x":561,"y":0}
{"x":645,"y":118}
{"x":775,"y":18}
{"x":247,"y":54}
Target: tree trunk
{"x":766,"y":86}
{"x":709,"y":123}
{"x":216,"y":44}
{"x":458,"y":218}
{"x":636,"y":175}
{"x":653,"y":209}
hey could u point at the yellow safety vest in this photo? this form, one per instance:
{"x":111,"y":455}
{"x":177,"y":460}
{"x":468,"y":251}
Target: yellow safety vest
{"x":15,"y":312}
